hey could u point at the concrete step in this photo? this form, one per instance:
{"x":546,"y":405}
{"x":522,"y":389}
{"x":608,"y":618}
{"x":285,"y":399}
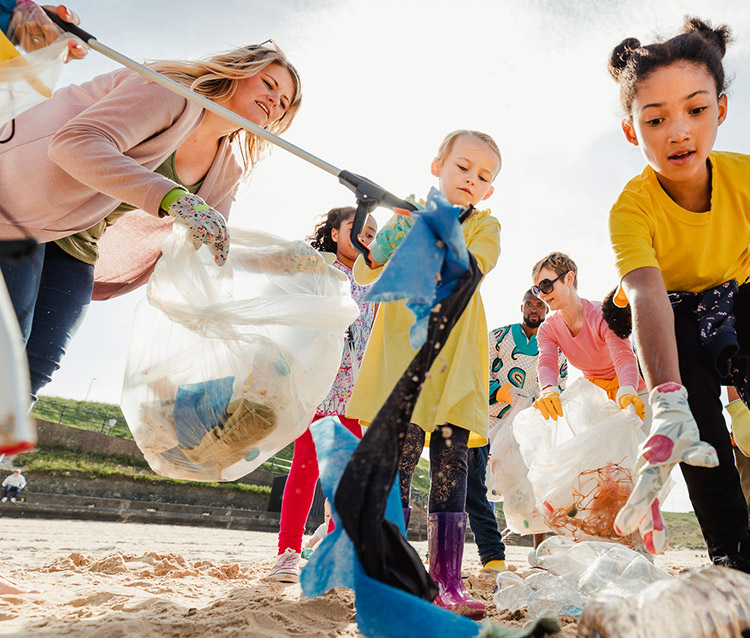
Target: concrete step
{"x":69,"y":506}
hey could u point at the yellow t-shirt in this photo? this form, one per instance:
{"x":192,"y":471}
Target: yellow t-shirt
{"x":694,"y":251}
{"x":455,"y":390}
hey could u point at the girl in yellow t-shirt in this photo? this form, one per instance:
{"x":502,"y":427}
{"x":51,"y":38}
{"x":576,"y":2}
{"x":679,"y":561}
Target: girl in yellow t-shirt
{"x":452,"y":404}
{"x":681,"y":233}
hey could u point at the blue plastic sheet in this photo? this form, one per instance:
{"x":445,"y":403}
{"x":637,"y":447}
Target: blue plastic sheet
{"x":427,"y":265}
{"x":382,"y":611}
{"x":200,"y":407}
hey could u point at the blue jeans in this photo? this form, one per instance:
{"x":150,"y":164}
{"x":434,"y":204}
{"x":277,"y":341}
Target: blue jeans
{"x":481,"y":512}
{"x":11,"y":491}
{"x":50,"y":292}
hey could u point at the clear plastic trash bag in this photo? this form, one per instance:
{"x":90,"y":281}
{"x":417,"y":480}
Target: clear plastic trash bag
{"x":27,"y":80}
{"x":507,"y":475}
{"x":580,"y":466}
{"x":227,"y":365}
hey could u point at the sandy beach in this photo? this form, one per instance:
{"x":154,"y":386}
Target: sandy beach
{"x":125,"y":579}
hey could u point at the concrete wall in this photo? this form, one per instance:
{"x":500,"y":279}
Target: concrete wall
{"x":97,"y":443}
{"x":145,"y":490}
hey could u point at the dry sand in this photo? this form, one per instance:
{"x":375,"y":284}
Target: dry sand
{"x":126,"y":579}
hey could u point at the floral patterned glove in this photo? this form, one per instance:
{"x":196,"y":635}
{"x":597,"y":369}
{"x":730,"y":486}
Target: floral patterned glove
{"x":207,"y":226}
{"x":673,"y":439}
{"x":390,"y":236}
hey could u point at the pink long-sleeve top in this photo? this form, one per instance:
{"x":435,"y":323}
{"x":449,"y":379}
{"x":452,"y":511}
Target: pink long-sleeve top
{"x":75,"y":157}
{"x":596,"y":351}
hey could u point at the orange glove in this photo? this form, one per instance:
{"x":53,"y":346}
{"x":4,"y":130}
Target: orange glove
{"x":549,"y":403}
{"x":626,"y":396}
{"x":508,"y":393}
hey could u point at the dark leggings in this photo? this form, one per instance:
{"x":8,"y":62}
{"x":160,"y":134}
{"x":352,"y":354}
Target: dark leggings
{"x":716,"y":493}
{"x":448,"y":466}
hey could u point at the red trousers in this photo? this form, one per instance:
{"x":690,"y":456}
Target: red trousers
{"x":300,"y":487}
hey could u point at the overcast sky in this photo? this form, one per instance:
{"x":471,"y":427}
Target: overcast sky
{"x":384,"y":82}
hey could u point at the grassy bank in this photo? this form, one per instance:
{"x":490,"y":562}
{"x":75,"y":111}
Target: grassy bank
{"x":85,"y":415}
{"x":58,"y":461}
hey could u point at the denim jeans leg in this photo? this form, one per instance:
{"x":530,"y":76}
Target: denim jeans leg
{"x":64,"y":296}
{"x":481,"y":512}
{"x":22,"y":279}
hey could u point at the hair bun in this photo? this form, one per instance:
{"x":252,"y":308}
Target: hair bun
{"x":719,"y":37}
{"x":618,"y":60}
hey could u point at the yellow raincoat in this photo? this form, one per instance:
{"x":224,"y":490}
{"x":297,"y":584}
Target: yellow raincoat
{"x":456,"y":388}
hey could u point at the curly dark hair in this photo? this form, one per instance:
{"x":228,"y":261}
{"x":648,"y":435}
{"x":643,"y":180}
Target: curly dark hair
{"x":321,"y":237}
{"x":631,"y":62}
{"x":618,"y":319}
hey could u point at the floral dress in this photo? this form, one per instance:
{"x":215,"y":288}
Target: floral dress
{"x":355,"y":344}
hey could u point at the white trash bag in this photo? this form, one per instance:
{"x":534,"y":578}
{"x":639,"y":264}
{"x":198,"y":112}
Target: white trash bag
{"x":227,"y":365}
{"x":507,"y":475}
{"x":580,"y":466}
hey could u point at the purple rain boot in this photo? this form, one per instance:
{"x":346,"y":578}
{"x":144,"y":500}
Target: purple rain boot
{"x":407,"y":516}
{"x":446,"y":532}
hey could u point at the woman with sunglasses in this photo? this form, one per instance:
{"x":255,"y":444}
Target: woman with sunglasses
{"x":121,"y":148}
{"x":581,"y":333}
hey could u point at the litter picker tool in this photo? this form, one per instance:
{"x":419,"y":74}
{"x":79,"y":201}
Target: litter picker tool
{"x":369,"y":195}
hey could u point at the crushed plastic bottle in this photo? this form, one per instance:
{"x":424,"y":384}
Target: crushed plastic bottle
{"x":511,"y":592}
{"x":575,"y":573}
{"x":551,"y":595}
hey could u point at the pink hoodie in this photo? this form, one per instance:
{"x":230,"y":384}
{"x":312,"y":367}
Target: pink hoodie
{"x":596,"y":351}
{"x":75,"y":157}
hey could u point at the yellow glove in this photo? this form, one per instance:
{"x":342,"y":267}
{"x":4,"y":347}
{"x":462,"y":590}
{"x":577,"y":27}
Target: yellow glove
{"x":740,"y":425}
{"x":508,"y":393}
{"x":626,"y":396}
{"x":549,"y":403}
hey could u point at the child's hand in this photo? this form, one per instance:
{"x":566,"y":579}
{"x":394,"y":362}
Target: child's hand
{"x":673,"y":439}
{"x":390,"y":236}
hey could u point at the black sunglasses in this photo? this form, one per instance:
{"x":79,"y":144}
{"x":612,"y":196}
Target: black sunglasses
{"x":545,"y":285}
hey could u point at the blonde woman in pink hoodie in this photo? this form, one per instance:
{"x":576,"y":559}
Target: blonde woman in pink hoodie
{"x":120,"y":146}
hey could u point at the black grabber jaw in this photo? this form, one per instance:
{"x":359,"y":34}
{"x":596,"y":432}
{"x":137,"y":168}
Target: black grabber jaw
{"x":369,"y":196}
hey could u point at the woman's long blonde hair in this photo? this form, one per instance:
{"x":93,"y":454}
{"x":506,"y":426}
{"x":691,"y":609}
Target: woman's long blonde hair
{"x":217,"y":77}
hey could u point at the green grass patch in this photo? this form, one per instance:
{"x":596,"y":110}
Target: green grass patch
{"x":85,"y":415}
{"x":59,"y":461}
{"x":684,"y":531}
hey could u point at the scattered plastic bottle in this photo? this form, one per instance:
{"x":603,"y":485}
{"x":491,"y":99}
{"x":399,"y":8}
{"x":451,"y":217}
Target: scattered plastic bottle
{"x":511,"y":592}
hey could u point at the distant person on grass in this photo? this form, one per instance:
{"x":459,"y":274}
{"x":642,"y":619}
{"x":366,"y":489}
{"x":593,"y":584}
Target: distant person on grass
{"x":13,"y":485}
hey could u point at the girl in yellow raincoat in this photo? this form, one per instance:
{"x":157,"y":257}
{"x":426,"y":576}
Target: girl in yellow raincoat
{"x":453,"y":401}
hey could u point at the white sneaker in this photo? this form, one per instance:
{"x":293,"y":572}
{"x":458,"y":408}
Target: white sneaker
{"x":286,"y":569}
{"x":5,"y":499}
{"x":13,"y":499}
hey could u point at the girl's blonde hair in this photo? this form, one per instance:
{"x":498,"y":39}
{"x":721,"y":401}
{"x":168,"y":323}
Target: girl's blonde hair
{"x":217,"y":78}
{"x":450,"y":139}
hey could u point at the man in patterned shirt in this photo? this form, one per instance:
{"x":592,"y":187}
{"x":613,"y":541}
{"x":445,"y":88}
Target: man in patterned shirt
{"x":513,"y":356}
